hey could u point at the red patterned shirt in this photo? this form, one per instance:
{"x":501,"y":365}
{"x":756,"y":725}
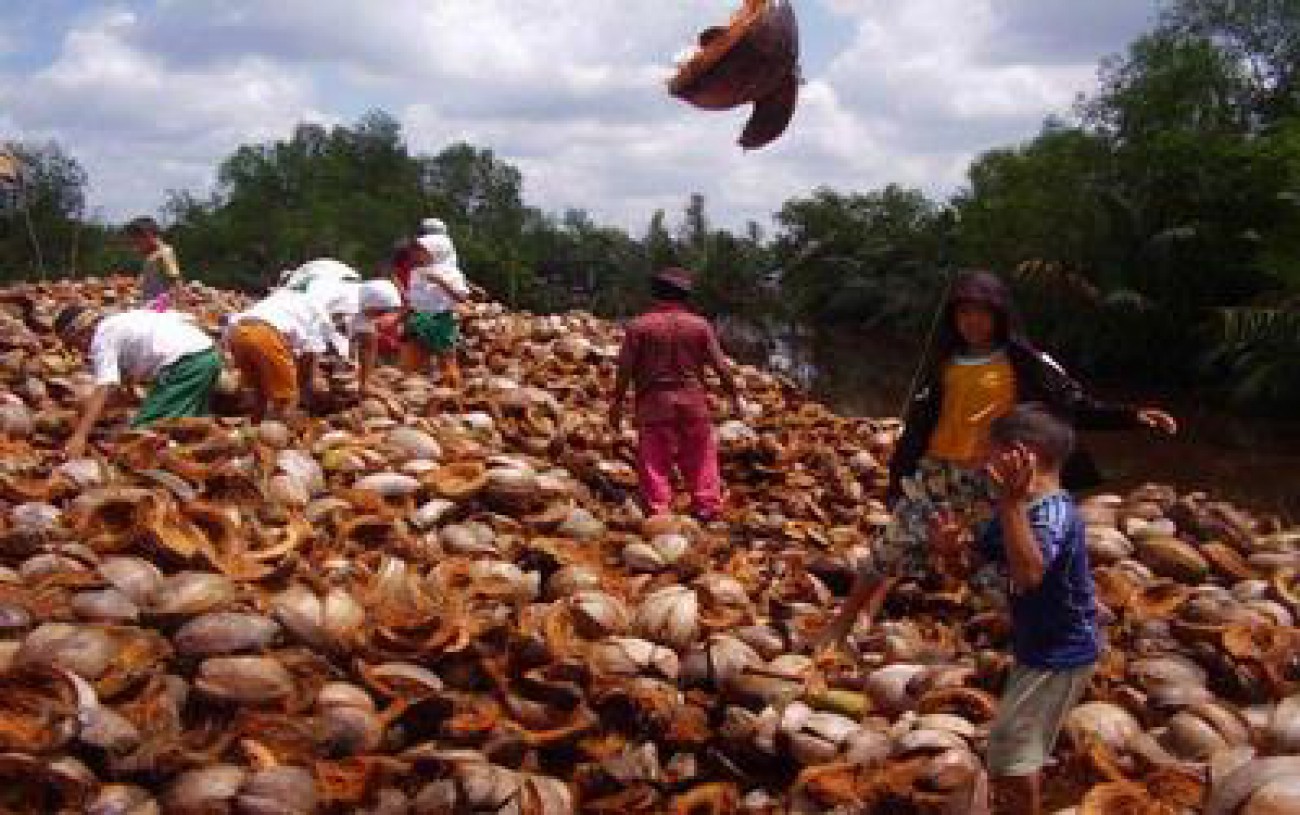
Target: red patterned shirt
{"x":666,"y":351}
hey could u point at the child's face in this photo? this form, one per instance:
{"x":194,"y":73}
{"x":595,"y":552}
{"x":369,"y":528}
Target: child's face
{"x":976,"y":324}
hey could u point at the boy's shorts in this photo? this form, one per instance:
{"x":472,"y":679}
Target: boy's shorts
{"x":903,"y":550}
{"x":1030,"y":715}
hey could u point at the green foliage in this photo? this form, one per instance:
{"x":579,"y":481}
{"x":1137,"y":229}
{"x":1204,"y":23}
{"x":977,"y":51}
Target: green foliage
{"x":1048,"y":199}
{"x":871,"y":257}
{"x":1172,"y":198}
{"x":660,"y":248}
{"x":350,"y":193}
{"x":1261,"y":35}
{"x":1257,"y":352}
{"x":42,"y":230}
{"x":1170,"y":82}
{"x":590,"y":267}
{"x":344,"y":192}
{"x":481,"y":199}
{"x":1279,"y":248}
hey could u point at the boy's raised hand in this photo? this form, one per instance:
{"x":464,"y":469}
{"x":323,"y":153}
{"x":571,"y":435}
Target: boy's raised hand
{"x":1012,"y":473}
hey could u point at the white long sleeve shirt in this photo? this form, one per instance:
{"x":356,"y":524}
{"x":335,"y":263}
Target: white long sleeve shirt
{"x":426,"y":295}
{"x":299,"y":317}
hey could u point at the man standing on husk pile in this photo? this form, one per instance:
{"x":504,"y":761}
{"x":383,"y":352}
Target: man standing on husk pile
{"x":664,"y":355}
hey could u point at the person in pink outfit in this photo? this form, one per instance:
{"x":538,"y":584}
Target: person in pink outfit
{"x":663,"y":359}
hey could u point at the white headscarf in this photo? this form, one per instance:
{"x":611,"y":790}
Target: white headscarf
{"x":379,"y":295}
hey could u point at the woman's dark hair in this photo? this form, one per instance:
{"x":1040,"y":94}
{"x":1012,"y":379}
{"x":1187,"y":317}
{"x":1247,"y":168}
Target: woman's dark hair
{"x":140,"y":227}
{"x":402,"y":253}
{"x":663,"y":290}
{"x":1036,"y":427}
{"x":986,"y":289}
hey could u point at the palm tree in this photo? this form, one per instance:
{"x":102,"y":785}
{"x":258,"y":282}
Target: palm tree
{"x":1259,"y":348}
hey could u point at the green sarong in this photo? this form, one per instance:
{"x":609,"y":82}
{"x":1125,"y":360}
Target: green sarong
{"x":183,"y":388}
{"x":436,"y":332}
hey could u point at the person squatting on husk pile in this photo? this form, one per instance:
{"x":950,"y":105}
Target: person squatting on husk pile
{"x":276,"y":343}
{"x":166,"y":349}
{"x":403,"y":612}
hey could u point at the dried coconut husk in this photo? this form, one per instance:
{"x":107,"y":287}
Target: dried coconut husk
{"x":1286,"y":584}
{"x":459,"y":481}
{"x":415,"y":620}
{"x":1159,"y":600}
{"x":1227,"y":562}
{"x":38,"y":710}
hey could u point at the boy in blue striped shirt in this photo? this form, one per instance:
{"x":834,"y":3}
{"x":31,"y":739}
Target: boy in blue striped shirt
{"x":1039,"y":535}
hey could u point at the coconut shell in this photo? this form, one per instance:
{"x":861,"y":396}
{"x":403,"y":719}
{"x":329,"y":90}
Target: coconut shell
{"x":1172,"y":558}
{"x":459,"y":481}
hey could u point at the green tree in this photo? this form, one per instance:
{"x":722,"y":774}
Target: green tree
{"x":1129,"y":231}
{"x":41,"y":214}
{"x":861,"y":258}
{"x":1262,"y":35}
{"x":1044,"y":200}
{"x":481,"y":199}
{"x":730,"y":270}
{"x":660,"y":248}
{"x":345,"y":192}
{"x":1257,"y":351}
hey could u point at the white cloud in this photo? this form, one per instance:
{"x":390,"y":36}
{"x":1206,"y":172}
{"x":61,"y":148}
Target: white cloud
{"x":141,"y":127}
{"x":153,"y":94}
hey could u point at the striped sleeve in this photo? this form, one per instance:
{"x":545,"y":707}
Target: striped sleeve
{"x":1050,"y":519}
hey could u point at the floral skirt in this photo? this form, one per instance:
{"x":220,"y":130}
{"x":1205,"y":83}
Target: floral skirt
{"x":903,"y":550}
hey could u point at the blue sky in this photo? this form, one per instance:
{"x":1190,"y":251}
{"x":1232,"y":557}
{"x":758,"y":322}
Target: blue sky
{"x":150,"y":95}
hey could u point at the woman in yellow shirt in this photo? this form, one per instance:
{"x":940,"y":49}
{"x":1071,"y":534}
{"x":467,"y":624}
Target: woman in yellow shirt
{"x":982,"y":367}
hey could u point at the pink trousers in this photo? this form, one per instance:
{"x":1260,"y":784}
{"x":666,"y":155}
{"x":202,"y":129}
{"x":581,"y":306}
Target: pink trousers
{"x":690,"y":445}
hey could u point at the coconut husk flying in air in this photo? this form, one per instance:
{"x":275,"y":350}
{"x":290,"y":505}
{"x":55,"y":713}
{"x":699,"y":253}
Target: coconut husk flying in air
{"x":753,"y":59}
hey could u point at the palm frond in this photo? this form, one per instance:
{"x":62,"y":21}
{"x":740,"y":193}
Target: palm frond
{"x":1256,"y":326}
{"x":1259,"y":350}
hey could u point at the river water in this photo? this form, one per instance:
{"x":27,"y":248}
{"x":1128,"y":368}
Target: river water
{"x":1253,"y":462}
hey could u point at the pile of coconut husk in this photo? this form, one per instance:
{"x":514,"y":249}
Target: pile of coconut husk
{"x":421,"y":601}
